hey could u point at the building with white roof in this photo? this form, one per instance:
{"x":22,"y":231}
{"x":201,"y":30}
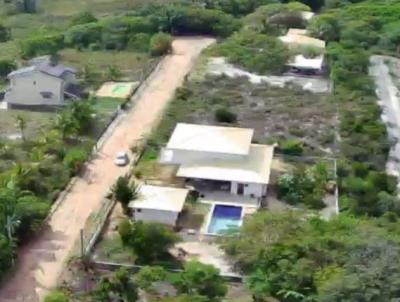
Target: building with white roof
{"x":223,"y":155}
{"x":158,"y":204}
{"x":297,"y":38}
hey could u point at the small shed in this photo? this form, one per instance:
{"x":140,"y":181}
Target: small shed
{"x":158,"y":204}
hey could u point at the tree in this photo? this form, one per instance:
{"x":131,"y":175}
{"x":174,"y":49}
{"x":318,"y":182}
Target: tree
{"x":113,"y":73}
{"x":6,"y":254}
{"x":20,"y":122}
{"x":201,"y":279}
{"x":82,"y":112}
{"x":5,"y":33}
{"x":56,"y":296}
{"x":160,"y":44}
{"x":325,"y":27}
{"x":124,"y":192}
{"x":66,"y":125}
{"x":119,"y":287}
{"x":6,"y":66}
{"x":149,"y":241}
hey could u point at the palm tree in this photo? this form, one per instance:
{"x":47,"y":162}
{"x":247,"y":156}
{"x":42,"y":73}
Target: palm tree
{"x":83,"y":113}
{"x":20,"y":122}
{"x":66,"y":124}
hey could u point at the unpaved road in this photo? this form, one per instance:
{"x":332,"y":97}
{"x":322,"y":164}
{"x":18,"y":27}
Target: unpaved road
{"x":41,"y":262}
{"x":389,"y":96}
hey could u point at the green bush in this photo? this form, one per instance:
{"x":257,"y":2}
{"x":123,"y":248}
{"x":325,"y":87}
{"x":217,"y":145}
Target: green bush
{"x":139,"y":42}
{"x":292,"y":147}
{"x":160,"y":44}
{"x":75,"y":158}
{"x":83,"y":18}
{"x":6,"y":66}
{"x":255,"y":52}
{"x":56,"y":296}
{"x":41,"y":45}
{"x":5,"y":33}
{"x":223,"y":115}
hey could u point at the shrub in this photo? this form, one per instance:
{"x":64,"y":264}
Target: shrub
{"x":6,"y":66}
{"x":5,"y":33}
{"x":255,"y":52}
{"x":56,"y":296}
{"x":125,"y":192}
{"x":223,"y":115}
{"x":83,"y":34}
{"x":74,"y":159}
{"x":42,"y":45}
{"x":83,"y":18}
{"x":292,"y":147}
{"x":139,"y":42}
{"x":160,"y":44}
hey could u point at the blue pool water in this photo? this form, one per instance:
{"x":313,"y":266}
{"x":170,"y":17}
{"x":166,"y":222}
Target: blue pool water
{"x":224,"y":218}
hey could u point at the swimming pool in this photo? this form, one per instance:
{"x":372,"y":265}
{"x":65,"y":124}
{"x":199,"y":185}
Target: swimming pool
{"x":224,"y":217}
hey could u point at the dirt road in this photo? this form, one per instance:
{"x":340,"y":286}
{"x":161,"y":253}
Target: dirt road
{"x":41,"y":262}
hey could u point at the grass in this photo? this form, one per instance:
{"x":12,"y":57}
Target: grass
{"x":112,"y":249}
{"x":130,"y":63}
{"x":36,"y":122}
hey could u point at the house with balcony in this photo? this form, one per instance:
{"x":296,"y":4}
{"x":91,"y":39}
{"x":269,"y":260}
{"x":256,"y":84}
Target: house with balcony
{"x":221,"y":162}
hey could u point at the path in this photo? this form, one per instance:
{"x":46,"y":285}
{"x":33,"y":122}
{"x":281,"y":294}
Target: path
{"x":389,"y":96}
{"x":41,"y":262}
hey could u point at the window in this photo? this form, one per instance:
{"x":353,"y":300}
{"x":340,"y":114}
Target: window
{"x":138,"y":210}
{"x":46,"y":94}
{"x":34,"y":82}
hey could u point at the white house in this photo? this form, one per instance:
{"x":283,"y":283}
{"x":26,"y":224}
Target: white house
{"x":158,"y":204}
{"x":42,"y":84}
{"x":222,"y":156}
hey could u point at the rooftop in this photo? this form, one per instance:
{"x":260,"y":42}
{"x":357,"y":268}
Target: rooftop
{"x":44,"y":65}
{"x":254,"y":168}
{"x":300,"y":61}
{"x":228,"y":140}
{"x":299,"y":37}
{"x":160,"y":198}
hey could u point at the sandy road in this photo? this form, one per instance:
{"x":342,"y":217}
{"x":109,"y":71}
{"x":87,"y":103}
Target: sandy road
{"x":41,"y":262}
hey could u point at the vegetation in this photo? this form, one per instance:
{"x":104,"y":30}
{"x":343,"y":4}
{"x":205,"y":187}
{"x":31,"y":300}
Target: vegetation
{"x":149,"y":241}
{"x":56,"y":296}
{"x":298,"y":259}
{"x":124,"y":192}
{"x":223,"y":115}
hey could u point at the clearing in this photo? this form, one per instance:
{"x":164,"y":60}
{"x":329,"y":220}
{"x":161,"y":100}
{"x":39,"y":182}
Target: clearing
{"x":42,"y":261}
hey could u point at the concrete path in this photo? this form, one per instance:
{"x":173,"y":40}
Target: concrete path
{"x":389,"y":96}
{"x":41,"y":262}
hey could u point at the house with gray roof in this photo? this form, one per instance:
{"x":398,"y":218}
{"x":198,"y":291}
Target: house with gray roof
{"x":43,"y":83}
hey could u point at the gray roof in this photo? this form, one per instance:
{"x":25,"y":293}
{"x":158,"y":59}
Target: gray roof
{"x":44,"y":66}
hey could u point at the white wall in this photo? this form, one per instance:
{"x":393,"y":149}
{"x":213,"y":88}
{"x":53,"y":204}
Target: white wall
{"x":25,"y":89}
{"x":150,"y":215}
{"x":258,"y":190}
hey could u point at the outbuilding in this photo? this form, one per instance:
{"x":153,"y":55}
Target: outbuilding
{"x":159,"y":204}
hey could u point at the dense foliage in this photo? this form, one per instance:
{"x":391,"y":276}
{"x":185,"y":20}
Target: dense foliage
{"x":150,"y":242}
{"x":297,"y":259}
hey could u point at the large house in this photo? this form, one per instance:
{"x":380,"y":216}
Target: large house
{"x":43,"y":83}
{"x":222,"y":158}
{"x":297,"y":38}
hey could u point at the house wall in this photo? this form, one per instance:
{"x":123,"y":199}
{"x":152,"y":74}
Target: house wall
{"x":151,"y":215}
{"x":25,"y":89}
{"x":257,"y":190}
{"x":185,"y":157}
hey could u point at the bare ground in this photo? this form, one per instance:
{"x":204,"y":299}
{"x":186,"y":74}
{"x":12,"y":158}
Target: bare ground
{"x":42,"y":261}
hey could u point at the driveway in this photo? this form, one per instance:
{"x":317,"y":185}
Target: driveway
{"x":41,"y":262}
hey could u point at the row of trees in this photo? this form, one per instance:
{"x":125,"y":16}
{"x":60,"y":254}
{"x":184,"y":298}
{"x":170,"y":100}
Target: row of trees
{"x":33,"y":172}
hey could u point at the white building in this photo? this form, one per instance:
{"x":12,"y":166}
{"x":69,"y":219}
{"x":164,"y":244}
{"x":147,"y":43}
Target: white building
{"x":222,"y":156}
{"x":42,"y":84}
{"x":297,"y":38}
{"x":158,"y":204}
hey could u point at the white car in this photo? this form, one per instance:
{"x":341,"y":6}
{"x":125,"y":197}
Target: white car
{"x":121,"y":159}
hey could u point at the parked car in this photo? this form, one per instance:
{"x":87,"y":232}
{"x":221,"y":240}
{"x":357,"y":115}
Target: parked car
{"x":121,"y":159}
